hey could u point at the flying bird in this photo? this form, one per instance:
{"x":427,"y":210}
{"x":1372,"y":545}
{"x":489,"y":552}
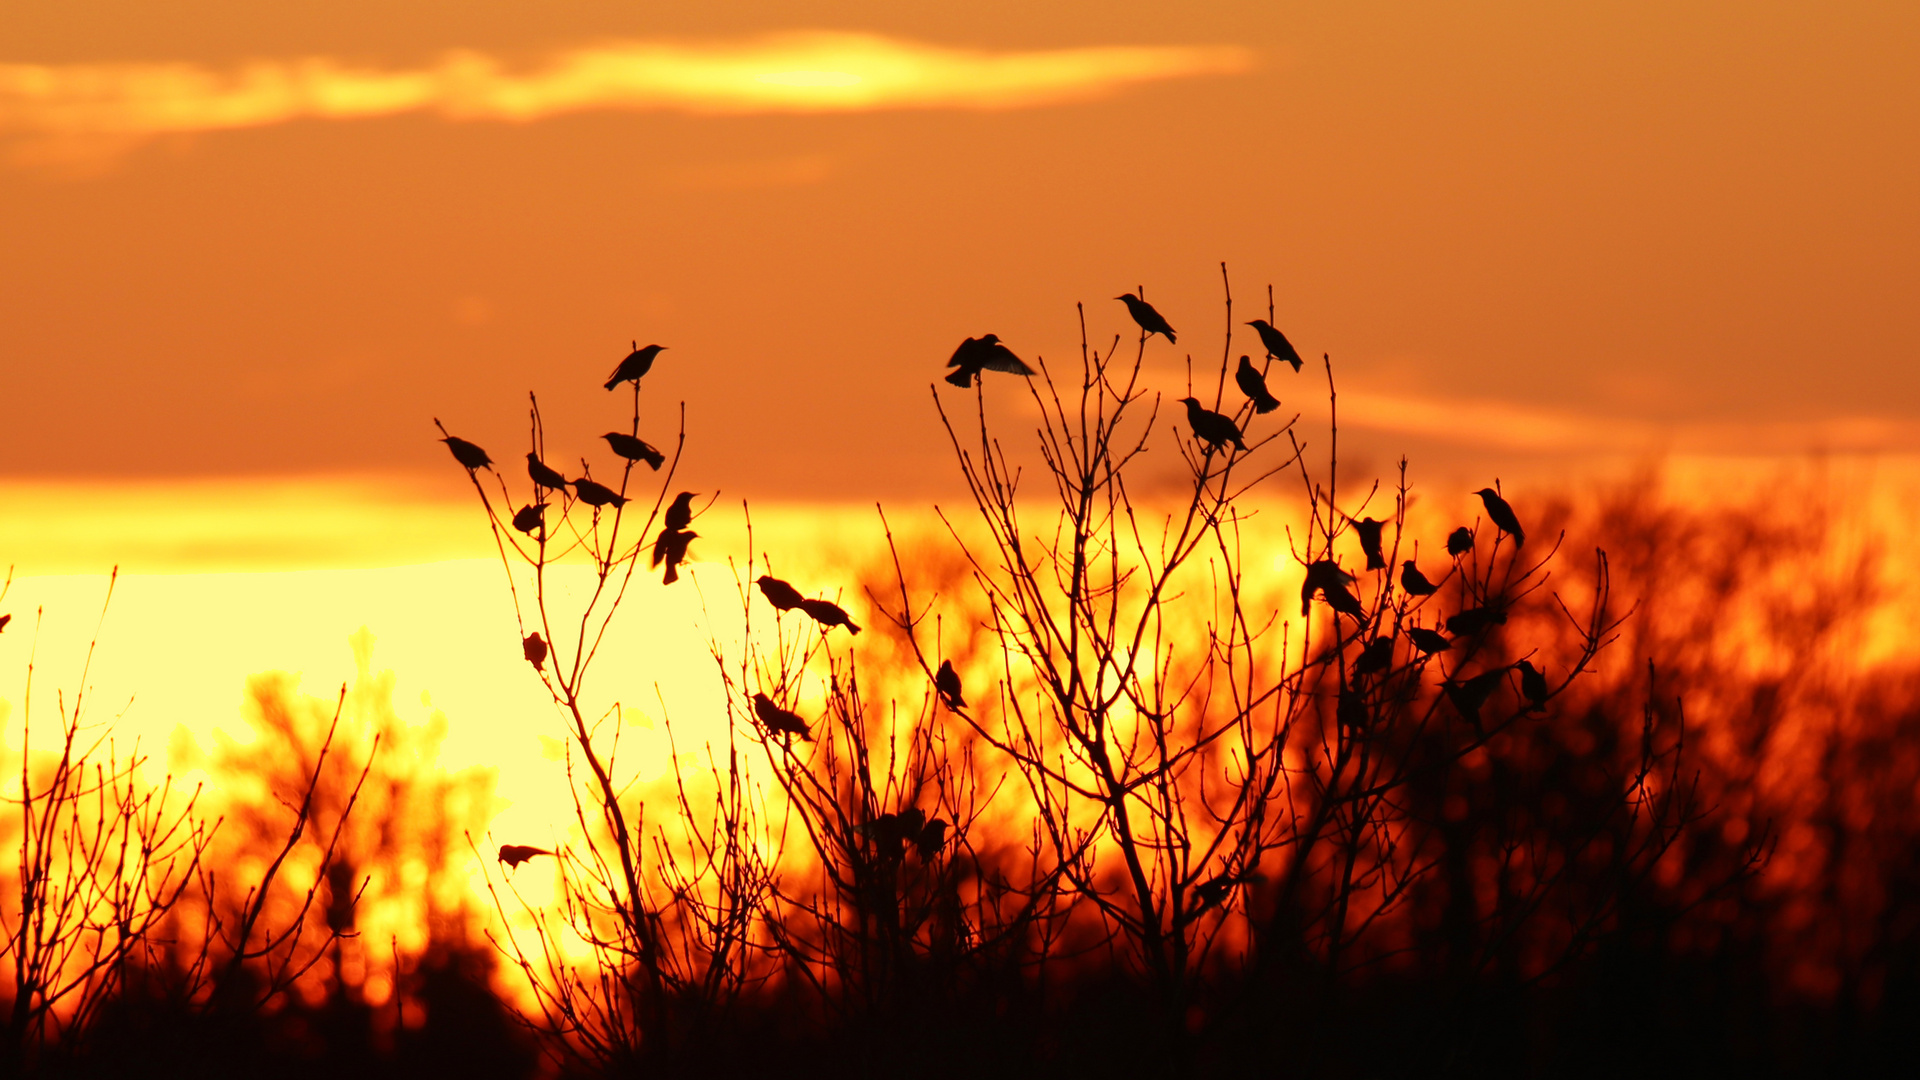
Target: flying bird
{"x":542,"y":475}
{"x":1502,"y":515}
{"x":530,"y":517}
{"x":515,"y":854}
{"x":1276,"y":343}
{"x":670,"y":547}
{"x":535,"y":650}
{"x":947,"y":681}
{"x":984,"y":353}
{"x":828,"y":614}
{"x":1470,"y":695}
{"x":1149,"y":319}
{"x":778,"y":720}
{"x":635,"y":449}
{"x":778,"y":593}
{"x":1377,"y":656}
{"x":1415,"y":582}
{"x":466,"y":453}
{"x":597,"y":494}
{"x":1210,"y":427}
{"x":1368,"y":530}
{"x":680,"y":514}
{"x":636,"y":365}
{"x":1326,"y":578}
{"x":1460,"y":541}
{"x":1254,"y":385}
{"x":1428,"y":641}
{"x":1533,"y":685}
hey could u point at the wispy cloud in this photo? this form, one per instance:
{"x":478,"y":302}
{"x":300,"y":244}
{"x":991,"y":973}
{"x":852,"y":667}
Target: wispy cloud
{"x":788,"y":73}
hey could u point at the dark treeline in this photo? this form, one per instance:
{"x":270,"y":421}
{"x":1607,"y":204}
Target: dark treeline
{"x":1591,"y":788}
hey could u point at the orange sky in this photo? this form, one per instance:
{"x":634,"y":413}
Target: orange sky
{"x":1684,"y":224}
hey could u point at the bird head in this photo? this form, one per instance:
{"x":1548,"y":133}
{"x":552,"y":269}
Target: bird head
{"x":1484,"y":492}
{"x":1256,"y":323}
{"x":1190,"y":403}
{"x":989,"y":339}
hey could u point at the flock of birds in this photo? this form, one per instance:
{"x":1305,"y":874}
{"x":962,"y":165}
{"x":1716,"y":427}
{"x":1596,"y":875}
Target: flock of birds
{"x":893,"y":833}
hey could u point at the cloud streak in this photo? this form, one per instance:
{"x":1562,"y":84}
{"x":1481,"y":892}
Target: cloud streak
{"x":789,"y":73}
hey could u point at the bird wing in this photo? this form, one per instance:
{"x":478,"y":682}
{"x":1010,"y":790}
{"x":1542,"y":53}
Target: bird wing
{"x":962,"y":355}
{"x":1001,"y":358}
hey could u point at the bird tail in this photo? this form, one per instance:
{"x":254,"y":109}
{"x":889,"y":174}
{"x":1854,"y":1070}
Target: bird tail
{"x":852,"y":627}
{"x":672,"y":575}
{"x":613,"y":382}
{"x":657,"y":459}
{"x":1266,"y":404}
{"x":961,"y":377}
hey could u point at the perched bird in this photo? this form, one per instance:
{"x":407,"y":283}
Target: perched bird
{"x":1210,"y":427}
{"x":1254,"y":385}
{"x":670,"y":547}
{"x":778,"y":593}
{"x":1351,"y":709}
{"x":1502,"y":515}
{"x":1214,"y":892}
{"x":1377,"y":656}
{"x":542,"y":475}
{"x":467,"y":453}
{"x":597,"y":494}
{"x":947,"y":681}
{"x":828,"y":614}
{"x":1276,"y":342}
{"x":1368,"y":530}
{"x":636,"y":365}
{"x":1415,"y":582}
{"x":1149,"y":319}
{"x":635,"y":449}
{"x":1470,"y":695}
{"x":933,"y":837}
{"x":1475,"y":620}
{"x":1428,"y":641}
{"x":1326,"y":577}
{"x":535,"y":650}
{"x":778,"y":720}
{"x":515,"y":854}
{"x":984,"y":353}
{"x":1533,"y":685}
{"x":1460,"y":541}
{"x":680,"y":513}
{"x":530,"y":517}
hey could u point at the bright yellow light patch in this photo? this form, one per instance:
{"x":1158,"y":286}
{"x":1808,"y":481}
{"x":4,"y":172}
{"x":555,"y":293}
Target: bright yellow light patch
{"x":787,"y":73}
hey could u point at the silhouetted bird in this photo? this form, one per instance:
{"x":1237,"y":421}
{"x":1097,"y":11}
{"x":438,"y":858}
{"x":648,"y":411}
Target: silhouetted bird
{"x":670,"y":547}
{"x":1143,"y":313}
{"x":778,"y":720}
{"x":4,"y":620}
{"x":597,"y":494}
{"x":1428,"y":641}
{"x":1475,"y":620}
{"x":828,"y":614}
{"x":1415,"y":582}
{"x":515,"y":854}
{"x":535,"y":650}
{"x":467,"y":453}
{"x":1377,"y":656}
{"x":1368,"y":530}
{"x":947,"y":681}
{"x":933,"y":837}
{"x":1502,"y":515}
{"x":635,"y":450}
{"x":1276,"y":343}
{"x":1470,"y":695}
{"x":1214,"y":892}
{"x":530,"y":517}
{"x":542,"y":475}
{"x":1533,"y":685}
{"x":1460,"y":541}
{"x":1210,"y":427}
{"x":1326,"y":577}
{"x":636,"y":365}
{"x":984,"y":353}
{"x":1254,"y":385}
{"x":778,"y":593}
{"x":680,"y":513}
